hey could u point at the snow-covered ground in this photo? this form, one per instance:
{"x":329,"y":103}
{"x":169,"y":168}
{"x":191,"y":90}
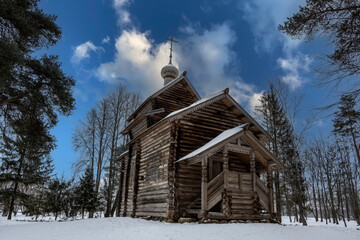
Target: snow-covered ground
{"x":133,"y":229}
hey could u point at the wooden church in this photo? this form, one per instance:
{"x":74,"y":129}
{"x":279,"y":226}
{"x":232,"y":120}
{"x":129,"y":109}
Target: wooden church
{"x":195,"y":157}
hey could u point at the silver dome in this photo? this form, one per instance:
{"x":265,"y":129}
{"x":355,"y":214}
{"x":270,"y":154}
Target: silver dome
{"x":169,"y":73}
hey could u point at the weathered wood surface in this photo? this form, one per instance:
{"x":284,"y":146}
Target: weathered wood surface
{"x":154,"y":185}
{"x":214,"y":190}
{"x":153,"y":173}
{"x":176,"y":97}
{"x":263,"y":193}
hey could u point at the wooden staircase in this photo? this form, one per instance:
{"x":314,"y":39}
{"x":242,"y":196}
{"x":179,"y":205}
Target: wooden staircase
{"x":194,"y":207}
{"x":263,"y":193}
{"x":215,"y":189}
{"x":243,"y":203}
{"x":238,"y":201}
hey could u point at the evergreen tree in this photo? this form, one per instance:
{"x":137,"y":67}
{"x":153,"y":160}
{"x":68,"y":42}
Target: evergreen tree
{"x":33,"y":91}
{"x":339,"y":20}
{"x":347,"y":121}
{"x":85,"y":198}
{"x":292,"y":182}
{"x":25,"y":161}
{"x":273,"y":118}
{"x":56,"y":196}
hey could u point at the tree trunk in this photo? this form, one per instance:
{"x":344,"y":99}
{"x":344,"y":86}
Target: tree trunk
{"x":13,"y":196}
{"x":278,"y":197}
{"x":315,"y":204}
{"x":320,"y":202}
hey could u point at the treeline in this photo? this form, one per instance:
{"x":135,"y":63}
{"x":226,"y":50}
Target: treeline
{"x":324,"y":181}
{"x":95,"y":185}
{"x":34,"y":91}
{"x":99,"y":141}
{"x":322,"y":178}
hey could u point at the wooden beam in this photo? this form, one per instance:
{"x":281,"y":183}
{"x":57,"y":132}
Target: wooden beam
{"x":238,"y":148}
{"x":225,"y":167}
{"x":253,"y":170}
{"x":204,"y":181}
{"x":265,"y":162}
{"x":155,"y":111}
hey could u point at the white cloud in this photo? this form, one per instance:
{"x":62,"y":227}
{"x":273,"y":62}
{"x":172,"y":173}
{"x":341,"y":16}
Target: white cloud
{"x":208,"y":57}
{"x":293,"y":66}
{"x":137,"y":61}
{"x":121,"y":11}
{"x":205,"y":54}
{"x":106,"y":40}
{"x":83,"y":51}
{"x":264,"y":16}
{"x":255,"y":101}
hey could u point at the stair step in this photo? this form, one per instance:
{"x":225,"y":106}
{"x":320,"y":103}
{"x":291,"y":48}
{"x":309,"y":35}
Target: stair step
{"x":243,"y":196}
{"x":242,"y":201}
{"x":242,"y":212}
{"x":242,"y":206}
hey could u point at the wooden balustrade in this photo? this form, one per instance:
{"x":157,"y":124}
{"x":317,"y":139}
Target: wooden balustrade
{"x":263,"y":193}
{"x":237,"y":182}
{"x":215,"y":189}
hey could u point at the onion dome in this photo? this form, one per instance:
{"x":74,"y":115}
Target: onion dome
{"x":169,"y":73}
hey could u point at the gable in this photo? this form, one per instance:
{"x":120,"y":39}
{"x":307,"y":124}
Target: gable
{"x":229,"y":104}
{"x":180,"y":86}
{"x":225,"y":101}
{"x":234,"y":139}
{"x":177,"y":94}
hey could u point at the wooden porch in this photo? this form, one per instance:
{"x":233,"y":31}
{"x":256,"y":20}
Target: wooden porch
{"x":234,"y":195}
{"x":231,"y":187}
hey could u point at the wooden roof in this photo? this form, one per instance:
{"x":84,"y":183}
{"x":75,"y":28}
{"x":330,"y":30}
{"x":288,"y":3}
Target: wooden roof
{"x":225,"y":138}
{"x":214,"y":98}
{"x":222,"y":95}
{"x":163,"y":89}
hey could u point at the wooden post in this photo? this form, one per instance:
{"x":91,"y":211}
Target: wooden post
{"x":226,"y":167}
{"x":136,"y":178}
{"x":172,"y":211}
{"x":252,"y":169}
{"x":226,"y":209}
{"x":204,"y":180}
{"x":270,"y":186}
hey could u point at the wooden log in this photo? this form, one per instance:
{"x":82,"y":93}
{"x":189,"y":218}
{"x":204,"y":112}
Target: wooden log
{"x":126,"y":185}
{"x":252,"y":170}
{"x":136,"y":178}
{"x":172,"y":208}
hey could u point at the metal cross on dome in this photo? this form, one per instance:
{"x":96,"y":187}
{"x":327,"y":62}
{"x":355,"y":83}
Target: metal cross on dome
{"x":171,"y":49}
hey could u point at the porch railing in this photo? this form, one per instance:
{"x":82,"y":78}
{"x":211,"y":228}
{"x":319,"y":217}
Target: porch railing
{"x":214,"y":189}
{"x":239,"y":182}
{"x":263,"y":193}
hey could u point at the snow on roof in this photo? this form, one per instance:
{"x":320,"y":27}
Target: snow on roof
{"x":221,"y":137}
{"x":196,"y":103}
{"x":123,"y":153}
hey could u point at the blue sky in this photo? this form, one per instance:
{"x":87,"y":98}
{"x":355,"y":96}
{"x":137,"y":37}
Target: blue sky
{"x":225,"y":43}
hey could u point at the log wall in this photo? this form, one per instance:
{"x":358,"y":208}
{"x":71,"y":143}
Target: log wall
{"x":152,"y":192}
{"x":175,"y":98}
